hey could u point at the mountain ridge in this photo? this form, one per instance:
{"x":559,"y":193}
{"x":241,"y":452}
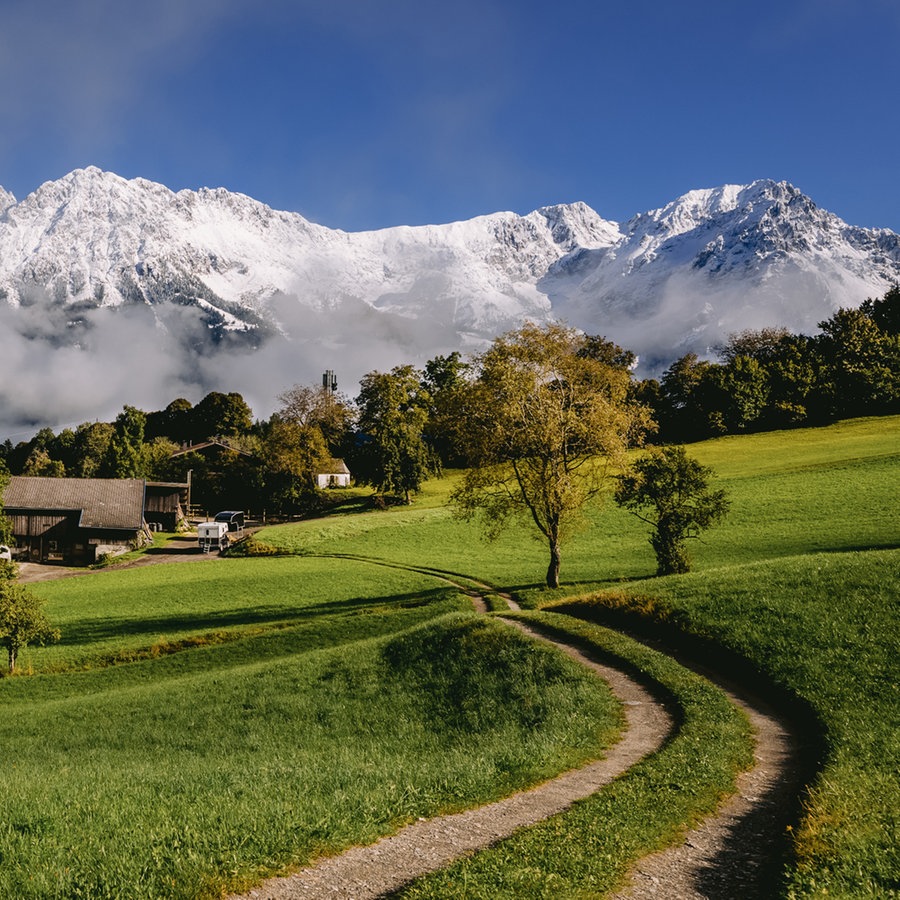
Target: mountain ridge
{"x":212,"y":275}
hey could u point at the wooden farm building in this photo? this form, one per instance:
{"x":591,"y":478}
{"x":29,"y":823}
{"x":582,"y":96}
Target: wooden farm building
{"x":77,"y":520}
{"x":166,"y":505}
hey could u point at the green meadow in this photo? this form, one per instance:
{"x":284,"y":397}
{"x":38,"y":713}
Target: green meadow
{"x":202,"y":724}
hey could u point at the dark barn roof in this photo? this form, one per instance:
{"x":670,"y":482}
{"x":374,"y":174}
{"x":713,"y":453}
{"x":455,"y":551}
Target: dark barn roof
{"x":116,"y":503}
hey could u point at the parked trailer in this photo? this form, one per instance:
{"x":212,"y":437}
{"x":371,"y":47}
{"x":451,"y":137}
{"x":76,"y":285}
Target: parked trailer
{"x":233,"y":519}
{"x":212,"y":536}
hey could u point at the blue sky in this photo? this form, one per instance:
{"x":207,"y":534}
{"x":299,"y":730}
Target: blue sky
{"x":369,"y":113}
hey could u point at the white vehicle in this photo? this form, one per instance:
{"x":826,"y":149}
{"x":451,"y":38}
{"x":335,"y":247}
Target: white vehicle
{"x":5,"y":552}
{"x":212,"y":536}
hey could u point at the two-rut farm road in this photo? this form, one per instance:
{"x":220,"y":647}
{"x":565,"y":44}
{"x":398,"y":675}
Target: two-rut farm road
{"x":733,"y":853}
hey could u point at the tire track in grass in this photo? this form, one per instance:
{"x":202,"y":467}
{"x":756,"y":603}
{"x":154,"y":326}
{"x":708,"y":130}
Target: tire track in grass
{"x":428,"y":845}
{"x":734,"y":853}
{"x":738,"y":851}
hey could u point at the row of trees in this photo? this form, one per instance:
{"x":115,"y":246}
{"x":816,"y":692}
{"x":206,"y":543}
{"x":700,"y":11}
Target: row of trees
{"x":135,"y":444}
{"x":770,"y":378}
{"x":542,"y":422}
{"x":539,"y":421}
{"x":261,"y":464}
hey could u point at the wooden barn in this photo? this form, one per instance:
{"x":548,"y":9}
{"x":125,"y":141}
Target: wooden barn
{"x":166,"y":505}
{"x":75,"y":520}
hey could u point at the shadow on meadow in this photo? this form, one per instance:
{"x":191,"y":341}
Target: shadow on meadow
{"x":88,"y":631}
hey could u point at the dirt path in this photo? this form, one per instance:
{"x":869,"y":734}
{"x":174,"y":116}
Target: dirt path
{"x":735,"y":853}
{"x":429,"y":845}
{"x":178,"y":549}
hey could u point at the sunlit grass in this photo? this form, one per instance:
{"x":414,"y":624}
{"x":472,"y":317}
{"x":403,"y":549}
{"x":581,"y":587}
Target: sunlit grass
{"x":280,"y":707}
{"x":175,"y":777}
{"x":586,"y":851}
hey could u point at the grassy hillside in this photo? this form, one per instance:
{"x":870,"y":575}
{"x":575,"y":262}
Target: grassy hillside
{"x":173,"y":776}
{"x":326,"y":699}
{"x":803,"y":580}
{"x":792,"y":492}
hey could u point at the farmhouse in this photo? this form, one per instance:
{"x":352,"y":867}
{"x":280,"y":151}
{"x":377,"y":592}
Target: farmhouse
{"x":75,"y":520}
{"x":166,"y":505}
{"x":333,"y":474}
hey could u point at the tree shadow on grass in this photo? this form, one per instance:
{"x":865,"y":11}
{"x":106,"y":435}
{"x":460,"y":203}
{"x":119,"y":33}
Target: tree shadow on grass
{"x":89,"y":631}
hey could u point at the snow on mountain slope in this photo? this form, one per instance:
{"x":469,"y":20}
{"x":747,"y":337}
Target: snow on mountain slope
{"x":198,"y":290}
{"x":95,"y":239}
{"x":6,"y":200}
{"x":717,"y":261}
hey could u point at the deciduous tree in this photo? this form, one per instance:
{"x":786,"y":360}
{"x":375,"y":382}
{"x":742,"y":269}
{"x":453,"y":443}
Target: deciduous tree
{"x":543,"y":425}
{"x":317,"y":407}
{"x":22,"y":620}
{"x":391,"y":452}
{"x":124,"y":456}
{"x":670,"y":491}
{"x":291,"y":454}
{"x":444,"y":377}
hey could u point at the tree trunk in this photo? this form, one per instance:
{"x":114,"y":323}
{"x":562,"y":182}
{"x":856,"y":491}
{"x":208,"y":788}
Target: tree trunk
{"x":553,"y":568}
{"x":12,"y":659}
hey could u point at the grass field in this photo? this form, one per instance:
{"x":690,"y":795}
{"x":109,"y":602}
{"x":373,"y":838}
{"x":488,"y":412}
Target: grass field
{"x":173,"y":776}
{"x":802,"y":580}
{"x":322,"y":700}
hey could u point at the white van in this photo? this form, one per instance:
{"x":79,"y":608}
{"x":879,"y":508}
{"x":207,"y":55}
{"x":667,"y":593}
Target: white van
{"x":212,"y":536}
{"x":5,"y":552}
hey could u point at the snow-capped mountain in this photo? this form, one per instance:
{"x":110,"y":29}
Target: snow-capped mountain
{"x":94,"y":239}
{"x":114,"y":280}
{"x":717,"y":261}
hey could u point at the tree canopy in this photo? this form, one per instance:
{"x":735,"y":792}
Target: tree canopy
{"x":391,"y":452}
{"x":22,"y":620}
{"x":543,"y":424}
{"x":670,"y":491}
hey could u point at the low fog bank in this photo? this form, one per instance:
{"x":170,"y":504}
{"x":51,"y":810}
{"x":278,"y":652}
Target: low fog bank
{"x":691,"y":313}
{"x":61,"y":366}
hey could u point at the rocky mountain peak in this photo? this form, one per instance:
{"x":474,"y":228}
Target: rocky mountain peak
{"x":213,"y":270}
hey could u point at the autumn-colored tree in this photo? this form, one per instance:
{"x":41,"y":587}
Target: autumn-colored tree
{"x":291,"y":454}
{"x":543,"y":425}
{"x":317,"y":407}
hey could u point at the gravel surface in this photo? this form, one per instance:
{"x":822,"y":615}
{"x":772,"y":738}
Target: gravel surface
{"x":429,"y":845}
{"x":179,"y":549}
{"x":737,"y":853}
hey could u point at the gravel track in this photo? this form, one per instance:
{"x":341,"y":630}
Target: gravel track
{"x":429,"y":845}
{"x":735,"y":853}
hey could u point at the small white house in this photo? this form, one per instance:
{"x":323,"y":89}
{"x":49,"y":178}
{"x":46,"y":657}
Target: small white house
{"x":333,"y":474}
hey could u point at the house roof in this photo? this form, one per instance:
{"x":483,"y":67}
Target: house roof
{"x":333,"y":467}
{"x":116,"y":503}
{"x":211,"y":444}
